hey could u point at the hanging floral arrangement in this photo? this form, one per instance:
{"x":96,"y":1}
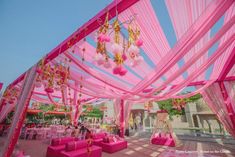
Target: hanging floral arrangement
{"x":120,"y":51}
{"x":117,"y":48}
{"x":134,"y":44}
{"x":52,"y":77}
{"x":179,"y":104}
{"x":102,"y":57}
{"x":10,"y":95}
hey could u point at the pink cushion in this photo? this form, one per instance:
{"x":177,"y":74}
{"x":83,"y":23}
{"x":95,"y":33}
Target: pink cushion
{"x":95,"y":152}
{"x":99,"y":135}
{"x":76,"y":145}
{"x":61,"y":141}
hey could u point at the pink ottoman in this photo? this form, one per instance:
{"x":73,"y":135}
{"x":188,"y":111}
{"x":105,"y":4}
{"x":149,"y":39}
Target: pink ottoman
{"x":163,"y":140}
{"x":57,"y":145}
{"x":113,"y":146}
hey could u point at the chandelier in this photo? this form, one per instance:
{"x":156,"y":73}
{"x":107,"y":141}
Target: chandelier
{"x":52,"y":77}
{"x":120,"y":50}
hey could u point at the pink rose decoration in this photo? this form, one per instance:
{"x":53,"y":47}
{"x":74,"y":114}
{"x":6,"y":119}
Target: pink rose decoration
{"x":106,"y":38}
{"x":101,"y":37}
{"x":139,"y":42}
{"x":123,"y":72}
{"x":124,"y":57}
{"x":49,"y":90}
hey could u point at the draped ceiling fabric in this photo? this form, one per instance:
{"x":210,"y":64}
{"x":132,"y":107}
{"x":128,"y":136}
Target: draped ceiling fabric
{"x":203,"y":52}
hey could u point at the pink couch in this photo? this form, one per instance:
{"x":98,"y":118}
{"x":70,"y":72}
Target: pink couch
{"x":165,"y":140}
{"x":57,"y":145}
{"x":80,"y":149}
{"x":112,"y":147}
{"x":98,"y":138}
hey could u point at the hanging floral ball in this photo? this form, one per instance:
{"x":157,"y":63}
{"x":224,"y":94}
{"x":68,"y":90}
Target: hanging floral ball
{"x":139,"y":42}
{"x":49,"y":90}
{"x":39,"y":71}
{"x":106,"y":38}
{"x":117,"y":70}
{"x":101,"y":37}
{"x":133,"y":50}
{"x":124,"y":57}
{"x":123,"y":72}
{"x":116,"y":48}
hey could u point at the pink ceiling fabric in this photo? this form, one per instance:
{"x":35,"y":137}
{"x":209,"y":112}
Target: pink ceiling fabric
{"x":219,"y":64}
{"x":187,"y":41}
{"x":192,"y":22}
{"x":183,"y":14}
{"x":155,"y":43}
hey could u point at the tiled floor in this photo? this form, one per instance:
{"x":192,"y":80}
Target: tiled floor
{"x":140,"y":147}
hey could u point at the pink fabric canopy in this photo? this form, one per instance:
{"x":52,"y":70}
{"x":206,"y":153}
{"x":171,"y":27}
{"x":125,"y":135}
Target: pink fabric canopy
{"x":192,"y":22}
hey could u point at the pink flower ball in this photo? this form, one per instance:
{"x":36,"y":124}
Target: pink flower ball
{"x":124,"y":57}
{"x":133,"y":50}
{"x":117,"y":70}
{"x":106,"y":38}
{"x":49,"y":90}
{"x":123,"y":72}
{"x":39,"y":71}
{"x":139,"y":42}
{"x":101,"y":37}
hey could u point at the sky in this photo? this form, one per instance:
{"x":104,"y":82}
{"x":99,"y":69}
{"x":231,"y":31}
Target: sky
{"x":29,"y":29}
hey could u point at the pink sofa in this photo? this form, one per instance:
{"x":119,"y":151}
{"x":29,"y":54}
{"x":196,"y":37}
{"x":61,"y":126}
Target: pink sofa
{"x":112,"y":147}
{"x":165,"y":140}
{"x":57,"y":145}
{"x":80,"y":149}
{"x":98,"y":138}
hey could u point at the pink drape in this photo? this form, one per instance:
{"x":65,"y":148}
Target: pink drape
{"x":214,"y":98}
{"x":117,"y":110}
{"x":127,"y":110}
{"x":230,"y":87}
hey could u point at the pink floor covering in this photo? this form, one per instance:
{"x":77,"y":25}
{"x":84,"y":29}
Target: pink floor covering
{"x":140,"y":147}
